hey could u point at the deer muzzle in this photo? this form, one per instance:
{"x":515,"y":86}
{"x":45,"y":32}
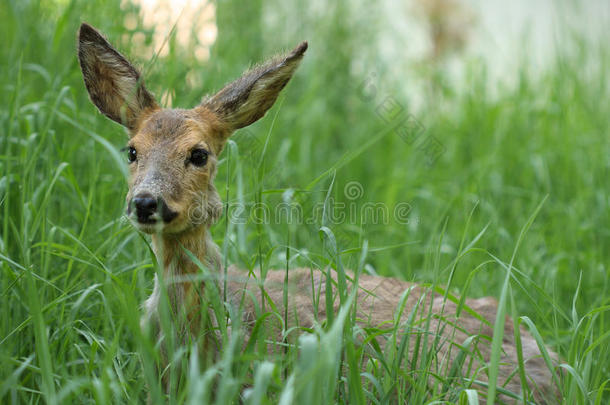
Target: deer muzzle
{"x":147,"y":209}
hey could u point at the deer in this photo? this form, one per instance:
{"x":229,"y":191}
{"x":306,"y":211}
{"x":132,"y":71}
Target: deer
{"x":173,"y":155}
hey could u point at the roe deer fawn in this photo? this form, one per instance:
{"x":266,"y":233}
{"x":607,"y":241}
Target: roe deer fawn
{"x":173,"y":156}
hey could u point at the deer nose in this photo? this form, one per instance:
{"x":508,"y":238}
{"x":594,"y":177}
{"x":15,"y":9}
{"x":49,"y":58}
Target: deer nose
{"x":145,"y":205}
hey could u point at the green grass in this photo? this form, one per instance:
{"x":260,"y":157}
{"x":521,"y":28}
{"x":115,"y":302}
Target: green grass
{"x":73,"y":273}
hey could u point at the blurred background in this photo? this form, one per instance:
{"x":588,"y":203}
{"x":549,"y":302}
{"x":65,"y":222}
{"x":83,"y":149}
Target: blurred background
{"x":466,"y":114}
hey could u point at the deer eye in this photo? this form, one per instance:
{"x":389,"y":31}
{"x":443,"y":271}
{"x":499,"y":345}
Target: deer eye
{"x":132,"y":155}
{"x":199,"y":157}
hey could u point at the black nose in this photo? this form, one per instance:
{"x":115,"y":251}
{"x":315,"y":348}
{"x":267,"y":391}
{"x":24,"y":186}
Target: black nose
{"x":146,"y":206}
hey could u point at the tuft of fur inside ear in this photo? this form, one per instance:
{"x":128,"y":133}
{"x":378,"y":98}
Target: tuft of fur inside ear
{"x":248,"y":98}
{"x":113,"y":84}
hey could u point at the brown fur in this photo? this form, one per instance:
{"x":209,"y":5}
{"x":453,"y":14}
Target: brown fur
{"x":114,"y":85}
{"x":377,"y":301}
{"x":165,"y":138}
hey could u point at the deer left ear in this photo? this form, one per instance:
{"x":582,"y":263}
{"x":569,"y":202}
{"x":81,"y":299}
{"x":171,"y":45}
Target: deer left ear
{"x":248,"y":98}
{"x":114,"y":85}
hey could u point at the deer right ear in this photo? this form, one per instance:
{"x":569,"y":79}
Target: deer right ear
{"x":248,"y":98}
{"x":113,"y":84}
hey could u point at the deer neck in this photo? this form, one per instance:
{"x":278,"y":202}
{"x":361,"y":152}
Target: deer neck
{"x":181,"y":273}
{"x":175,"y":252}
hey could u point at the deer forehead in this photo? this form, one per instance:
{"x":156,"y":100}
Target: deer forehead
{"x":176,"y":132}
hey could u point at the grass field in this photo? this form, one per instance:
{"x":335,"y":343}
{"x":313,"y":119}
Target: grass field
{"x":458,"y":187}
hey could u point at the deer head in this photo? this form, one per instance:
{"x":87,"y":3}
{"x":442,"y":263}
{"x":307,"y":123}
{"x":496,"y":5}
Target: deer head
{"x":173,"y":153}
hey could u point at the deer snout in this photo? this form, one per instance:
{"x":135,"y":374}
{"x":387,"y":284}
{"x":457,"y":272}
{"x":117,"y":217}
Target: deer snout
{"x":149,"y":209}
{"x":146,"y":207}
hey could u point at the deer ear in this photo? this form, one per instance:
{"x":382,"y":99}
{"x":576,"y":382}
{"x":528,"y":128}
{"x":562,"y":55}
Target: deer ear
{"x":113,"y":84}
{"x":248,"y":98}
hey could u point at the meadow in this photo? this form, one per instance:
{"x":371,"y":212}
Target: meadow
{"x":474,"y":192}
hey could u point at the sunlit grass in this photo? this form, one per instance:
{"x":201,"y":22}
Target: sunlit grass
{"x":73,"y":273}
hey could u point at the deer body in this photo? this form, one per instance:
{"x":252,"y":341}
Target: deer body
{"x":377,"y":302}
{"x":173,"y":156}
